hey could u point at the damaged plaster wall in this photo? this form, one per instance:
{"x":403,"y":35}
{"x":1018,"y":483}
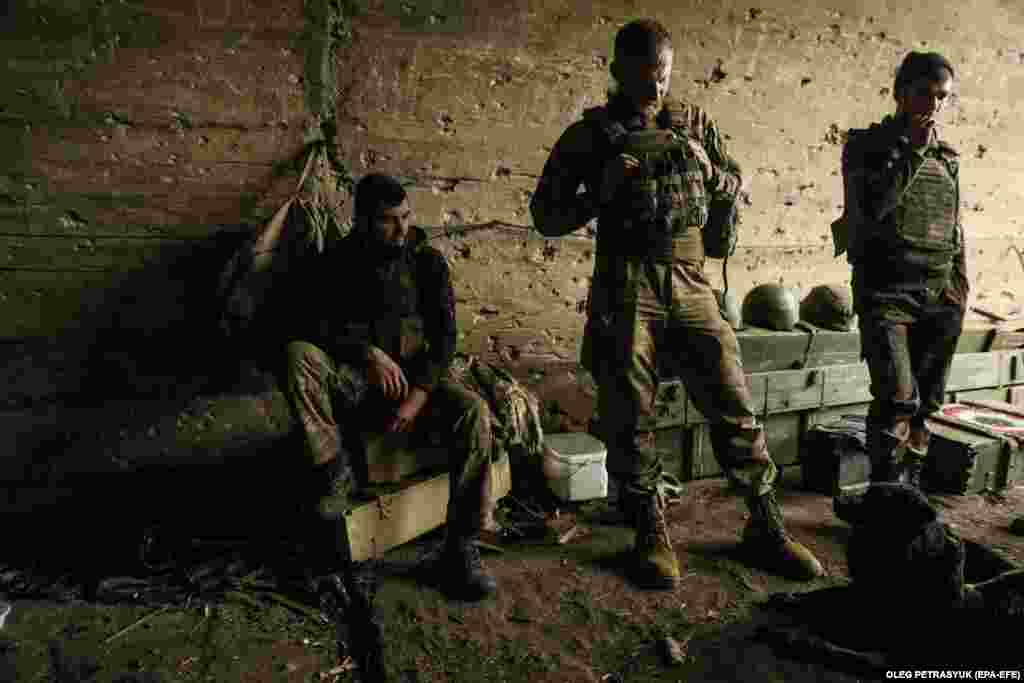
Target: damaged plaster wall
{"x":138,"y":134}
{"x":467,"y":109}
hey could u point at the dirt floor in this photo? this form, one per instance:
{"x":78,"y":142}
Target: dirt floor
{"x":563,"y":612}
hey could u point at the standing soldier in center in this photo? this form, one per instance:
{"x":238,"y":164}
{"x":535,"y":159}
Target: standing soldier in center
{"x":650,"y":168}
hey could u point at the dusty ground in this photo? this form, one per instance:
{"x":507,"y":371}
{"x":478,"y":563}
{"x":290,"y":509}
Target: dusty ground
{"x":564,"y":613}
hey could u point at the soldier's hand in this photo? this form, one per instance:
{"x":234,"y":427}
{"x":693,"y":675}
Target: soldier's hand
{"x":385,"y":374}
{"x":615,"y":172}
{"x":703,"y":160}
{"x":408,"y":410}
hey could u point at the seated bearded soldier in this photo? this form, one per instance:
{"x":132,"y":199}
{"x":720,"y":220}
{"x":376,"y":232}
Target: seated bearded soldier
{"x":375,"y":354}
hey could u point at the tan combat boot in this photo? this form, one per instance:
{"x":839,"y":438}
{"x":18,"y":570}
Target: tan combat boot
{"x":653,"y":562}
{"x":766,"y":539}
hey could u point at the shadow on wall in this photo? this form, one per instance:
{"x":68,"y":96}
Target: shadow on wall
{"x":160,"y":339}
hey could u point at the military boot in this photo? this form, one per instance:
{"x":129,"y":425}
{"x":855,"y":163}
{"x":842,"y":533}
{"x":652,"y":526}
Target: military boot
{"x":653,"y":562}
{"x":765,"y":537}
{"x":882,"y":447}
{"x":913,"y":457}
{"x":336,"y":483}
{"x":460,"y":570}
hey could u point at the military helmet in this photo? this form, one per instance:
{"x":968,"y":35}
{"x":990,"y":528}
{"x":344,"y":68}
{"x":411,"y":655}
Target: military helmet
{"x":770,"y":305}
{"x":828,"y":306}
{"x":730,"y":308}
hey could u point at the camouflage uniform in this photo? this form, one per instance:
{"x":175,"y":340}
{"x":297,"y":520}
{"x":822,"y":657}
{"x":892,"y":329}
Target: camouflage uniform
{"x":906,"y":247}
{"x":650,"y":295}
{"x":404,"y":306}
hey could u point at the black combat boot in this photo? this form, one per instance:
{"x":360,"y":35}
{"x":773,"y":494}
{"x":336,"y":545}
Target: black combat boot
{"x":913,"y":465}
{"x":914,"y":455}
{"x":460,"y":570}
{"x":882,"y":447}
{"x":336,"y":482}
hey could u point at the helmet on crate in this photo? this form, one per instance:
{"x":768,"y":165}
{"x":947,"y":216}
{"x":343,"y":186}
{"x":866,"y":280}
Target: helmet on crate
{"x":770,"y":305}
{"x":828,"y":306}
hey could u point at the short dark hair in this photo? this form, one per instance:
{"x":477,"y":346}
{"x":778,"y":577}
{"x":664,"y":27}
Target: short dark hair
{"x":376,"y":190}
{"x":915,"y":65}
{"x":642,"y":38}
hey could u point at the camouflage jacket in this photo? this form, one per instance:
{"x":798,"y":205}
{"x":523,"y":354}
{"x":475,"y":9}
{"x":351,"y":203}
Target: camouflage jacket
{"x":403,"y":305}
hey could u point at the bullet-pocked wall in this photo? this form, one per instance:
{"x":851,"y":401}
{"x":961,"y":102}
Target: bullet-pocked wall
{"x":133,"y":133}
{"x":468,"y":103}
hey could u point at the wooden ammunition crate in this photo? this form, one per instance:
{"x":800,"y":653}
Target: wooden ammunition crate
{"x":834,"y":458}
{"x":389,"y":516}
{"x":966,"y":456}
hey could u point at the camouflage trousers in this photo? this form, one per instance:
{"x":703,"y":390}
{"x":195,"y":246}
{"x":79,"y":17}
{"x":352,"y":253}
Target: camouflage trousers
{"x":908,"y":340}
{"x":671,"y":319}
{"x":323,"y":394}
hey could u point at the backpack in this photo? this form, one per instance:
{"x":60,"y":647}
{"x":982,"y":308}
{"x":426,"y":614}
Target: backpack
{"x":253,"y":291}
{"x":517,"y":426}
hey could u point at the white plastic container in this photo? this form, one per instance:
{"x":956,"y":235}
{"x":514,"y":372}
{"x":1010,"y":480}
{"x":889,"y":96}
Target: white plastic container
{"x":574,"y":466}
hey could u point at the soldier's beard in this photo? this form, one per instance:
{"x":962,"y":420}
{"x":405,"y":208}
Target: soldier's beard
{"x":624,"y":107}
{"x":387,"y":251}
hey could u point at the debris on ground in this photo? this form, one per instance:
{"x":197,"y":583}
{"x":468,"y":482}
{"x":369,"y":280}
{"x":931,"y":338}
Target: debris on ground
{"x":673,"y":651}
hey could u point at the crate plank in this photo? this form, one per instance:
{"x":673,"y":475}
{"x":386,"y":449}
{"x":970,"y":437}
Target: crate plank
{"x":390,"y":519}
{"x":969,"y":395}
{"x":783,"y":435}
{"x":788,"y":390}
{"x":846,"y":384}
{"x":973,"y":371}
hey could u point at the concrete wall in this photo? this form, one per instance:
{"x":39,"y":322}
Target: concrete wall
{"x":137,"y":135}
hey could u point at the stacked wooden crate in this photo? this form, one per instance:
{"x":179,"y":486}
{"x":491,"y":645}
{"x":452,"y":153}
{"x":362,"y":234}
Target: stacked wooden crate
{"x":798,"y":379}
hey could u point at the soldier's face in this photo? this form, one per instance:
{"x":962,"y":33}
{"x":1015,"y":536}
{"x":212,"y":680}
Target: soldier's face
{"x":642,"y":81}
{"x":390,"y":225}
{"x":923,"y":99}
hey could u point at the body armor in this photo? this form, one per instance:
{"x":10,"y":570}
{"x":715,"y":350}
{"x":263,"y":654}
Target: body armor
{"x":912,"y":207}
{"x":659,"y":212}
{"x":923,"y":222}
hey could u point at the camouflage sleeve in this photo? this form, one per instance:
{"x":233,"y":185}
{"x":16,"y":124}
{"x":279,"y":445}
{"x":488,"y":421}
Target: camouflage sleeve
{"x":557,"y":206}
{"x":727,"y":177}
{"x":437,"y":300}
